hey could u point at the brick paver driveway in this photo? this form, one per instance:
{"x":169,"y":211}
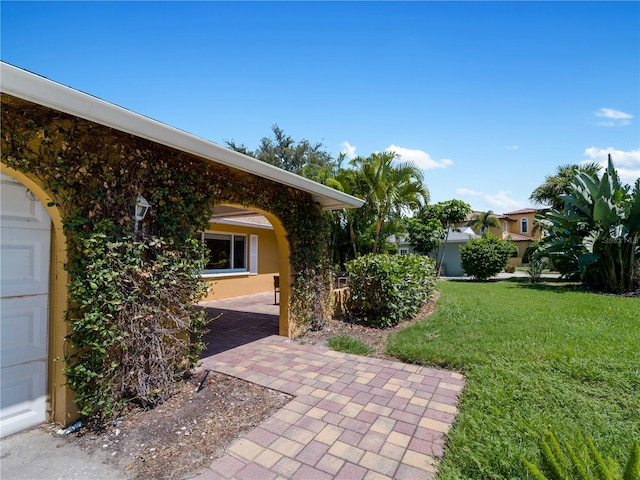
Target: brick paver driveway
{"x":352,"y":417}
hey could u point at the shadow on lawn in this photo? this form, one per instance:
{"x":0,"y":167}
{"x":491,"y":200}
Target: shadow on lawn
{"x":555,"y":284}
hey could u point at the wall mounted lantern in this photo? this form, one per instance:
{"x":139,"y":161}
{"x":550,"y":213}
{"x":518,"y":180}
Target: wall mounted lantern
{"x":141,"y":208}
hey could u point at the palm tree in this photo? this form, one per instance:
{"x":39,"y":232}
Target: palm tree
{"x":393,"y":189}
{"x":555,"y":186}
{"x":347,"y":181}
{"x":483,"y":221}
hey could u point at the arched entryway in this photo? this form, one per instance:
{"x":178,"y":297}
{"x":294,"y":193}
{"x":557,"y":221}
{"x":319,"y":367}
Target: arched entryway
{"x":263,"y":239}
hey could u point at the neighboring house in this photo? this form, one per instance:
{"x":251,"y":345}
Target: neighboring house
{"x":402,"y":244}
{"x":451,"y":263}
{"x":246,"y":251}
{"x":517,"y":226}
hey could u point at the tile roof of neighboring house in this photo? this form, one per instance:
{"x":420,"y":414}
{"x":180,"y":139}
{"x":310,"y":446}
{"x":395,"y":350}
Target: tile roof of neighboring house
{"x":522,"y":211}
{"x":516,"y":237}
{"x":475,"y":213}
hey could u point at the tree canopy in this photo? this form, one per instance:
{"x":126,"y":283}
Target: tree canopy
{"x":307,"y":159}
{"x":551,"y":192}
{"x":430,"y":226}
{"x":483,"y":221}
{"x":392,"y":189}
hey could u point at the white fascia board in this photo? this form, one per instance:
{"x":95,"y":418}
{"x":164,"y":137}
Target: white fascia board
{"x":42,"y":91}
{"x":240,"y":223}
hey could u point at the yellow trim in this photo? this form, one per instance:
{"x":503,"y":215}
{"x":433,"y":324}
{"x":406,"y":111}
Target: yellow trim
{"x":60,"y":404}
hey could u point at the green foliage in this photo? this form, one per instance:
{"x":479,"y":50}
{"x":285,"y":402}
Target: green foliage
{"x":424,"y":234}
{"x":431,"y":224}
{"x":535,"y":268}
{"x":390,"y":189}
{"x":386,"y":289}
{"x":483,"y":258}
{"x":578,"y":458}
{"x":535,"y":356}
{"x":483,"y":221}
{"x":134,"y":325}
{"x":93,"y":174}
{"x":449,"y":212}
{"x":555,"y":186}
{"x":597,"y":233}
{"x":281,"y":150}
{"x":530,"y":251}
{"x":348,"y":344}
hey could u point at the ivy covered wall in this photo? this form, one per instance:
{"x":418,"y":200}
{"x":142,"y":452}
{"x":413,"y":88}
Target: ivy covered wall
{"x":93,"y":174}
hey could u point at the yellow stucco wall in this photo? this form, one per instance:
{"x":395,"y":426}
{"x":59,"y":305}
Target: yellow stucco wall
{"x":229,"y":286}
{"x":515,"y":227}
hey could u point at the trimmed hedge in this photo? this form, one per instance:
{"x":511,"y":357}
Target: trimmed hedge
{"x":386,"y":289}
{"x":483,"y":258}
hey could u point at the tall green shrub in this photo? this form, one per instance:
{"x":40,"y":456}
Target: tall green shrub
{"x":386,"y":289}
{"x":134,"y":325}
{"x":482,"y":258}
{"x":597,"y":233}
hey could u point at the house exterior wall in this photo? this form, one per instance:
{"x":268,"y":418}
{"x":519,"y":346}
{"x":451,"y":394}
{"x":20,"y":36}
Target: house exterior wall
{"x":452,"y":262}
{"x":521,"y":246}
{"x":233,"y":285}
{"x":513,"y":222}
{"x":515,"y":226}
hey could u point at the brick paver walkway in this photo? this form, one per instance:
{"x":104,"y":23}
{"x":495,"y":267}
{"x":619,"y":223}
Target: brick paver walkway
{"x":352,"y":417}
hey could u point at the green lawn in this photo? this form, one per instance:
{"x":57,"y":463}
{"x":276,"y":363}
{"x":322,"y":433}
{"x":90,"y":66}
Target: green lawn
{"x":535,"y":357}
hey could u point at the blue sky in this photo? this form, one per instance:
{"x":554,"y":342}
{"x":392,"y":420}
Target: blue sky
{"x":488,"y":97}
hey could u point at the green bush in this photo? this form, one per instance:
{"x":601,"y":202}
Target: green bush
{"x":535,"y":269}
{"x":482,"y":258}
{"x":135,"y":330}
{"x":347,"y":344}
{"x":578,"y":458}
{"x":386,"y":289}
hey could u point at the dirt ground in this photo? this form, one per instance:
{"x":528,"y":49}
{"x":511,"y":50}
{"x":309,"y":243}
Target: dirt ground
{"x":181,"y":437}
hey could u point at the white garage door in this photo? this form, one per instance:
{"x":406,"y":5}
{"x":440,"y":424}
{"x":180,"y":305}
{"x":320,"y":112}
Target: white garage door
{"x":24,"y":291}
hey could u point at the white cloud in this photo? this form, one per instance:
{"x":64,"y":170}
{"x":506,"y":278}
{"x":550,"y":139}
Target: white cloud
{"x":615,"y":118}
{"x":498,"y":202}
{"x":512,"y":147}
{"x":626,"y":163}
{"x":348,"y":149}
{"x":503,"y":201}
{"x":466,"y":191}
{"x":422,"y":159}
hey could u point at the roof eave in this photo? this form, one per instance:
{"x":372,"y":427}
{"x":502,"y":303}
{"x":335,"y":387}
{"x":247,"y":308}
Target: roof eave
{"x":40,"y":90}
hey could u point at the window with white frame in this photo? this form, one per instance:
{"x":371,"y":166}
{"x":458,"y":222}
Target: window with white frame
{"x":403,"y":251}
{"x":504,"y":227}
{"x":224,"y":252}
{"x":524,"y":225}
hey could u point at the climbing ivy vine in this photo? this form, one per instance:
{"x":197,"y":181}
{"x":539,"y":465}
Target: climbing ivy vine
{"x":133,"y":293}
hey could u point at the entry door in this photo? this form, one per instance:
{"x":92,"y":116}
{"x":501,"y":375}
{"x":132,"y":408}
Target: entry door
{"x":24,"y":303}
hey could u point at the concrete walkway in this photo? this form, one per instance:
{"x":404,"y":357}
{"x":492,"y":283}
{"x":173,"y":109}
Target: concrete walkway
{"x":352,"y":417}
